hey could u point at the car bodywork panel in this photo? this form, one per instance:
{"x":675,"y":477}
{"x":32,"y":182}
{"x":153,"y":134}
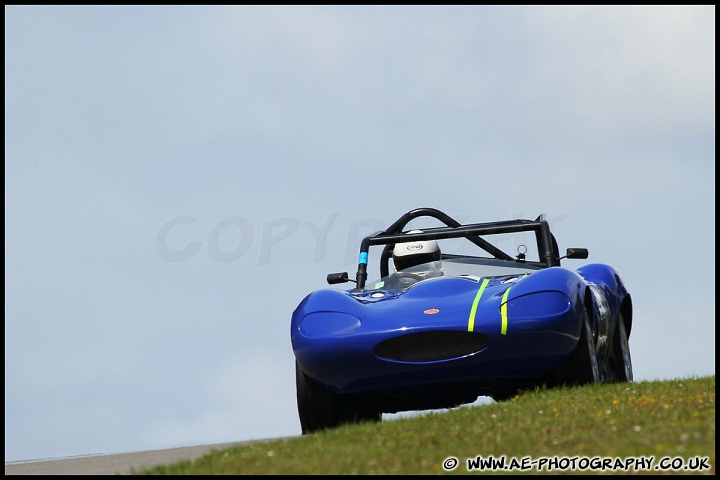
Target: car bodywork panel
{"x":444,"y":341}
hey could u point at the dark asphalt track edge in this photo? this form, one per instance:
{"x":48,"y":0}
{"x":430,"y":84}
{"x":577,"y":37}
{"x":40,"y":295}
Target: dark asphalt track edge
{"x":114,"y":464}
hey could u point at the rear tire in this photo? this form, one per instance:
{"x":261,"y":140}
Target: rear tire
{"x":620,"y":363}
{"x":581,"y":368}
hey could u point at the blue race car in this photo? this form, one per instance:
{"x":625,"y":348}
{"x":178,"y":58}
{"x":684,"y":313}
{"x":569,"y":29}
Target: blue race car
{"x":439,"y":329}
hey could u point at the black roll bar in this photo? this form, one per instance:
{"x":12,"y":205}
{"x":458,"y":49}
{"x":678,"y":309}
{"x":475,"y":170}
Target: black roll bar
{"x":547,"y":248}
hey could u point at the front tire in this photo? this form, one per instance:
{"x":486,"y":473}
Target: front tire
{"x":320,"y":409}
{"x":317,"y":408}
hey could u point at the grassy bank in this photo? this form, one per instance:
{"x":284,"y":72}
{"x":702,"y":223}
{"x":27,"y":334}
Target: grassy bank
{"x":664,"y":420}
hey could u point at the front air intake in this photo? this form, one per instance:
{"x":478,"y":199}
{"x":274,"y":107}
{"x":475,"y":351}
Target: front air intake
{"x":431,"y":346}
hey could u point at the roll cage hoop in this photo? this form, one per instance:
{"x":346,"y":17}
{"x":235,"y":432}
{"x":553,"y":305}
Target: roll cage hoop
{"x":547,"y":245}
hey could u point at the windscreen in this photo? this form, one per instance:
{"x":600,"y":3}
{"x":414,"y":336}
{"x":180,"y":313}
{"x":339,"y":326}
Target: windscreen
{"x":472,"y":268}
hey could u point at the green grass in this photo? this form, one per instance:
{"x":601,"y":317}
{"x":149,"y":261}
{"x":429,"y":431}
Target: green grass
{"x":674,"y":418}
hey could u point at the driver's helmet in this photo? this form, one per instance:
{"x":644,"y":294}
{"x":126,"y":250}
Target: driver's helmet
{"x":409,"y":254}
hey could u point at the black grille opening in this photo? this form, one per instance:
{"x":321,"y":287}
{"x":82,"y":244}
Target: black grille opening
{"x":431,"y":346}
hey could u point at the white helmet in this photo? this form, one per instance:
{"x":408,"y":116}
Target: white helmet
{"x":409,"y":254}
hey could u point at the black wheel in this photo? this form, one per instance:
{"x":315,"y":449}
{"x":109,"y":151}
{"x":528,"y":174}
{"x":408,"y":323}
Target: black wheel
{"x":320,"y":409}
{"x":317,"y":408}
{"x":581,"y":368}
{"x":619,"y":362}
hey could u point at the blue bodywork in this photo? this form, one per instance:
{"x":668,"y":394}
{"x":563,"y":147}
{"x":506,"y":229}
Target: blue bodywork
{"x":444,"y":341}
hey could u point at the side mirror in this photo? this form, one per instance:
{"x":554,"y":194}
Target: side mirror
{"x":581,"y":253}
{"x":341,"y":277}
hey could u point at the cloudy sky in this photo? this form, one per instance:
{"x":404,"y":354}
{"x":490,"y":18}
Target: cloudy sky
{"x":177,"y":179}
